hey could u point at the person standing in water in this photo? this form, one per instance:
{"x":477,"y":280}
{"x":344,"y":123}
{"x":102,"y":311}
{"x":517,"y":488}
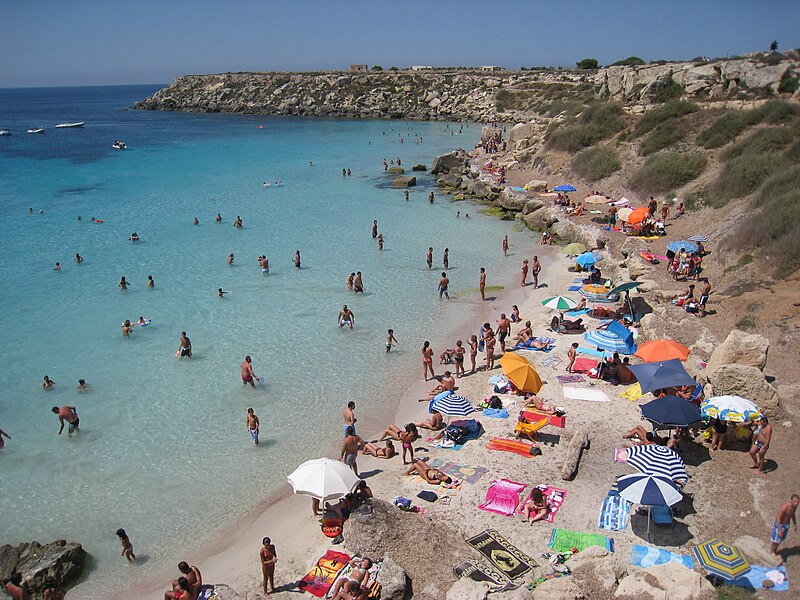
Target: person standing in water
{"x":430,"y":198}
{"x":185,"y":347}
{"x":230,"y":259}
{"x":505,"y":246}
{"x":123,"y":284}
{"x":429,"y":257}
{"x":248,"y":376}
{"x":3,"y":433}
{"x":346,"y":317}
{"x":78,"y":258}
{"x":68,"y":414}
{"x":390,"y":340}
{"x":349,"y":416}
{"x":127,"y":545}
{"x":374,"y":229}
{"x":150,"y":283}
{"x":358,"y":284}
{"x":380,"y":241}
{"x":253,"y":425}
{"x":444,"y":282}
{"x":446,"y":258}
{"x":350,"y":279}
{"x":218,"y":218}
{"x":296,"y":259}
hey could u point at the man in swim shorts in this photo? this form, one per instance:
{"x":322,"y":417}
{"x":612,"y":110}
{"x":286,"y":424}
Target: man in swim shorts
{"x":780,"y":526}
{"x":67,"y":414}
{"x":248,"y":376}
{"x":358,"y":284}
{"x":503,"y":329}
{"x":349,"y":417}
{"x":252,"y":425}
{"x":762,"y":436}
{"x":346,"y":317}
{"x":444,"y":282}
{"x":350,"y":447}
{"x":185,"y":347}
{"x":429,"y":258}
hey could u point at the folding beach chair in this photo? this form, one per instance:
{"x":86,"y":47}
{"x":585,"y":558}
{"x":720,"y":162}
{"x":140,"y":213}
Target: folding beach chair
{"x":661,"y":515}
{"x":527,"y":430}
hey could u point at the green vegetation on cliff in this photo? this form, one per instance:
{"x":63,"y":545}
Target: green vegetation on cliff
{"x":596,"y":163}
{"x":597,"y":122}
{"x":667,"y":171}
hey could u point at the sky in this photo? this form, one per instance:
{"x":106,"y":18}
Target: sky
{"x":108,"y":42}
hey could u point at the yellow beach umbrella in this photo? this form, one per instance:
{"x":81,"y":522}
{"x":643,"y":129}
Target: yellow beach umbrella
{"x":520,"y":372}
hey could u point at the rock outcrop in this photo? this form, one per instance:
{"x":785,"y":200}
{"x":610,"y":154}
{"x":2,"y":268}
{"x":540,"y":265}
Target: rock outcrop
{"x":404,"y":181}
{"x":747,"y":382}
{"x":740,"y":348}
{"x":670,"y":580}
{"x":60,"y":561}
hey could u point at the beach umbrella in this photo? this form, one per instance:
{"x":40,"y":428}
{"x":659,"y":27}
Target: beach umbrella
{"x":662,"y":374}
{"x":573,"y":249}
{"x":670,"y":411}
{"x":520,"y":372}
{"x":624,"y":213}
{"x":560,"y":303}
{"x":638,"y":215}
{"x":730,"y":408}
{"x":597,"y":199}
{"x":588,"y":259}
{"x":653,"y":459}
{"x":323,"y":478}
{"x":451,"y":404}
{"x":565,"y":188}
{"x":614,"y":338}
{"x":697,"y":238}
{"x":661,"y":350}
{"x":722,"y":560}
{"x":684,"y":245}
{"x":624,"y":287}
{"x":648,"y":490}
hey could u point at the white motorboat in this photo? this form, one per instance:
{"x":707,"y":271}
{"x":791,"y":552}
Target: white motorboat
{"x":36,"y":130}
{"x":70,"y":125}
{"x":5,"y":132}
{"x":119,"y":145}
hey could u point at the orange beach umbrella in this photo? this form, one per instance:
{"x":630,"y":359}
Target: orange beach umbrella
{"x":638,"y":215}
{"x":661,"y":350}
{"x":520,"y":372}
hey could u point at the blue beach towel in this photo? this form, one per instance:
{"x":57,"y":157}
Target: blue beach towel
{"x":594,"y":352}
{"x":578,"y":313}
{"x":647,"y":556}
{"x":519,"y":189}
{"x":754,"y":578}
{"x":573,"y":288}
{"x":614,"y":513}
{"x":497,"y":413}
{"x":527,"y":345}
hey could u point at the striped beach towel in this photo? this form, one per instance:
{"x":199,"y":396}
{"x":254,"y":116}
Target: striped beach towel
{"x":614,"y":513}
{"x":647,"y":556}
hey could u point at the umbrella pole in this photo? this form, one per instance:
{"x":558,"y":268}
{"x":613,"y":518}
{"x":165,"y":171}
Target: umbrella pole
{"x":648,"y":523}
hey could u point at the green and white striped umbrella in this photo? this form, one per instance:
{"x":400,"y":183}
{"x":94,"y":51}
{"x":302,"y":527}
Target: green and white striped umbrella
{"x":560,"y":303}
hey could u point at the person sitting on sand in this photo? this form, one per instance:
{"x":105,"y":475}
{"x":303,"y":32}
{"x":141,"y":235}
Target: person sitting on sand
{"x":362,"y":493}
{"x":192,"y":576}
{"x":374,"y":450}
{"x":524,"y":334}
{"x":646,"y":438}
{"x":406,"y":437}
{"x":434,"y":422}
{"x":535,"y":509}
{"x":359,"y":575}
{"x":447,"y":383}
{"x":429,"y":474}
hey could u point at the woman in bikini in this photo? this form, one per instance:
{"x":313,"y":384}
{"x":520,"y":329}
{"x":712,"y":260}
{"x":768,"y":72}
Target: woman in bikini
{"x":359,"y":575}
{"x":427,"y":360}
{"x":406,"y":437}
{"x":378,"y":452}
{"x":536,"y":508}
{"x":429,"y":474}
{"x":473,"y":350}
{"x":268,"y":556}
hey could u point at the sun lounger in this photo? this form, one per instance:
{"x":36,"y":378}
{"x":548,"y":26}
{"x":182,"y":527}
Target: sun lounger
{"x":502,"y":497}
{"x":528,"y":430}
{"x":519,"y":447}
{"x":534,"y":415}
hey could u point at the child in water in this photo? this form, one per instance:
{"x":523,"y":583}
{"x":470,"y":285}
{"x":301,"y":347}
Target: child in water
{"x":390,"y":340}
{"x":127,"y":546}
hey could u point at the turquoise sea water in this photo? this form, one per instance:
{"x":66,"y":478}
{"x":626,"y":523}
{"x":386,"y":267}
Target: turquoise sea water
{"x":163,"y":450}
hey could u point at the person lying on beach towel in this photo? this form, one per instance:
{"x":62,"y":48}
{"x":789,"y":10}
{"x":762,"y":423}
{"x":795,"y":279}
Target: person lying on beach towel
{"x":374,"y":450}
{"x":542,"y":407}
{"x":356,"y":583}
{"x":537,"y":343}
{"x":429,"y":474}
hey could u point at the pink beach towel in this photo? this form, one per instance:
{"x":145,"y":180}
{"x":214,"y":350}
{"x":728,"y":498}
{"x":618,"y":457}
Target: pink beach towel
{"x":502,"y":497}
{"x":555,"y":498}
{"x":584,"y":365}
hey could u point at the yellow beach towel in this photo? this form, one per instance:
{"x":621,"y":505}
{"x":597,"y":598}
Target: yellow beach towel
{"x":633,"y":393}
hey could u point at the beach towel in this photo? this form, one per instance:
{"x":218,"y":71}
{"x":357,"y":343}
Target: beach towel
{"x":578,"y":313}
{"x":495,"y":413}
{"x":583,"y":365}
{"x":620,"y":455}
{"x":373,"y":586}
{"x":462,"y":472}
{"x":507,"y":558}
{"x":555,"y":498}
{"x":754,"y":578}
{"x":579,"y":280}
{"x":207,"y":592}
{"x":552,"y":361}
{"x":320,"y":579}
{"x":614,"y":513}
{"x":632,"y":393}
{"x":441,"y":490}
{"x":502,"y":497}
{"x":514,"y":446}
{"x":531,"y":414}
{"x":594,"y":352}
{"x":570,"y":378}
{"x":573,"y":288}
{"x":589,"y":395}
{"x":527,"y":345}
{"x":647,"y":556}
{"x":482,"y":574}
{"x":564,"y":540}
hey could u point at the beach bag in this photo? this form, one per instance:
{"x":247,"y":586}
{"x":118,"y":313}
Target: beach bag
{"x":457,"y":434}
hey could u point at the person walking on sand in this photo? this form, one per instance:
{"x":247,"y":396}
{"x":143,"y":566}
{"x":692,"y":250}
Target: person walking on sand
{"x":349,"y":416}
{"x":704,"y":297}
{"x":268,"y":557}
{"x":762,"y":436}
{"x":505,"y":246}
{"x":535,"y":270}
{"x":780,"y":526}
{"x":482,"y":284}
{"x":127,"y":545}
{"x":374,"y":229}
{"x":572,"y":354}
{"x":473,"y":350}
{"x":503,"y":329}
{"x":390,"y":340}
{"x":185,"y":346}
{"x":253,"y":425}
{"x":346,"y":317}
{"x":248,"y":376}
{"x":68,"y":414}
{"x":458,"y":358}
{"x":350,"y":447}
{"x":524,"y":273}
{"x":429,"y":258}
{"x":427,"y":360}
{"x":444,"y":282}
{"x":446,"y":258}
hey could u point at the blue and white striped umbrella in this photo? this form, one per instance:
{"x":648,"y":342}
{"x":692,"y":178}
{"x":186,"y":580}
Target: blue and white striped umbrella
{"x":607,"y":340}
{"x":650,"y":490}
{"x":697,"y":238}
{"x":652,"y":459}
{"x":451,"y":404}
{"x":683,"y":245}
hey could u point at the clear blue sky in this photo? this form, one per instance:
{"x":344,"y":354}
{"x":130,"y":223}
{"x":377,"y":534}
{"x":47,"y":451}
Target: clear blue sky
{"x":86,"y":42}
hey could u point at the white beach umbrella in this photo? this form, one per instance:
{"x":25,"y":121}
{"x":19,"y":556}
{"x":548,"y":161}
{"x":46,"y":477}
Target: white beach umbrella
{"x":323,"y":478}
{"x":624,"y":213}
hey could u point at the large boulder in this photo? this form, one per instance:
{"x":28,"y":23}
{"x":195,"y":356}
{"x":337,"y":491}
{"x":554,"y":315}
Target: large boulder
{"x":671,"y":581}
{"x":748,"y":382}
{"x":740,"y":348}
{"x":404,"y":181}
{"x":60,"y":561}
{"x":396,"y":170}
{"x":536,"y":185}
{"x":595,"y":568}
{"x":393,"y":579}
{"x":511,"y":201}
{"x":632,"y":246}
{"x":466,"y":589}
{"x":226,"y":592}
{"x":447,"y":162}
{"x":419,"y":167}
{"x":560,"y":588}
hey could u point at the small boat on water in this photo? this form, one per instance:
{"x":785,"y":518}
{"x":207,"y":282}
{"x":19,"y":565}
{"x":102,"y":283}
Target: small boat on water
{"x":70,"y":125}
{"x":119,"y":145}
{"x":36,"y":130}
{"x":5,"y":132}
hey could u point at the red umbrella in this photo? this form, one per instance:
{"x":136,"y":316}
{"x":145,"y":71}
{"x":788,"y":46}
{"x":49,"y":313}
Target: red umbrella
{"x":661,"y":350}
{"x":638,"y":215}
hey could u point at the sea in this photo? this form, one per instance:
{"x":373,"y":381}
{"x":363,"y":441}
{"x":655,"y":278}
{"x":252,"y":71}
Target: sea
{"x":163,"y":450}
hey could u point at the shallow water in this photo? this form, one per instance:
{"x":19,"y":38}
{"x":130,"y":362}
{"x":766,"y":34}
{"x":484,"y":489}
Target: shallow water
{"x":163,"y":450}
